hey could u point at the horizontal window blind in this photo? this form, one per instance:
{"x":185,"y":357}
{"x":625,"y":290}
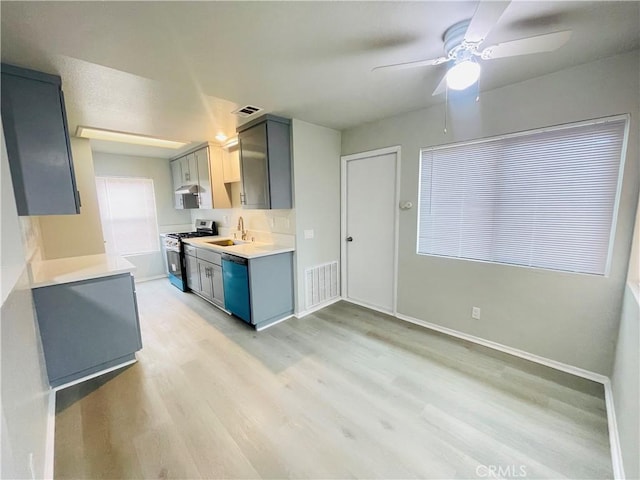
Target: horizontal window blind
{"x":128,"y":215}
{"x":543,"y":199}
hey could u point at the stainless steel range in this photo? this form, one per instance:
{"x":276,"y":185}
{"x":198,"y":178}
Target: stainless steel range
{"x":175,"y":251}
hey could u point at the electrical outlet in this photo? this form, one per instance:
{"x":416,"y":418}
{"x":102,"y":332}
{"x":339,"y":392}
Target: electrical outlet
{"x":225,"y":220}
{"x":475,"y":313}
{"x":308,"y":234}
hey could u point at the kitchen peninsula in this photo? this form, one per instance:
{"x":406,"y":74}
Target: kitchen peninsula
{"x":87,"y":314}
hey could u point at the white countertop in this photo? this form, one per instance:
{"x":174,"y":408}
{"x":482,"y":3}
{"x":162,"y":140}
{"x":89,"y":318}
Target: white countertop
{"x":74,"y":269}
{"x":245,"y":250}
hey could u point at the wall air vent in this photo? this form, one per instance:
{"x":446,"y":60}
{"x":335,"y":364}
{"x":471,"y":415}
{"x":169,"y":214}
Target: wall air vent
{"x":247,"y":111}
{"x":321,"y":284}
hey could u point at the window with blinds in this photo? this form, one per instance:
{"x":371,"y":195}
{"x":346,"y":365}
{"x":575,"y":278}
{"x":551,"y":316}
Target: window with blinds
{"x":544,"y":198}
{"x":128,"y":215}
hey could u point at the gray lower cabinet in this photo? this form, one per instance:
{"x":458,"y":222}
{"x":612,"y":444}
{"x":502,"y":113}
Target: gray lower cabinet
{"x":193,"y":275}
{"x":271,"y":288}
{"x":37,"y":140}
{"x":204,"y":274}
{"x":87,"y":326}
{"x":270,"y":283}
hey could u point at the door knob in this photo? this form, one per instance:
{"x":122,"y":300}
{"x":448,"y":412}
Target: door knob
{"x":349,"y":239}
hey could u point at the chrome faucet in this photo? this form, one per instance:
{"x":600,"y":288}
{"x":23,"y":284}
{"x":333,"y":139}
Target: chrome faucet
{"x":243,"y":232}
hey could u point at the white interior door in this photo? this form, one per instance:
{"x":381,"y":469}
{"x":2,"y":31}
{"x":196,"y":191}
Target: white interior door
{"x":369,"y":229}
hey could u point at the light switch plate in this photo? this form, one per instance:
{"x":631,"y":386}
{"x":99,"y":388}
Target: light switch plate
{"x":308,"y":234}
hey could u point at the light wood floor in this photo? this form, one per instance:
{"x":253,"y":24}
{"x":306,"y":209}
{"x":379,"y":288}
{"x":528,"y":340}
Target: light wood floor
{"x":343,"y":393}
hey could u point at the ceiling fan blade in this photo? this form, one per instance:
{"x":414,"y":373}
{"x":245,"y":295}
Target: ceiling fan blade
{"x":419,"y":63}
{"x":525,"y":46}
{"x":442,"y":86}
{"x":487,"y":15}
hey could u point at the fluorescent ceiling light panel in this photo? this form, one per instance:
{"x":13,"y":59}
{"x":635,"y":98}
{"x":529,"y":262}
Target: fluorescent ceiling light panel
{"x":123,"y":137}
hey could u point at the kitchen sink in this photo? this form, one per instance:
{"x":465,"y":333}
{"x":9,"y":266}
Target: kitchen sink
{"x":225,"y":243}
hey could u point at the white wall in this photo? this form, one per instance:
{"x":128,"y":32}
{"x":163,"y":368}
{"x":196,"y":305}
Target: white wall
{"x":625,"y":380}
{"x":169,"y":219}
{"x":76,"y":235}
{"x":24,"y":386}
{"x":562,"y":316}
{"x":316,"y":171}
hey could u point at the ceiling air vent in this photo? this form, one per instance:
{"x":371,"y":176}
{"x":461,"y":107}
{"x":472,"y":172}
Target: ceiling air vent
{"x":247,"y":111}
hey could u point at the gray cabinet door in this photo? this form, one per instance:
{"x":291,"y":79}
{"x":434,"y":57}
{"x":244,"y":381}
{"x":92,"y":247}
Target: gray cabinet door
{"x":87,"y":326}
{"x":176,"y":176}
{"x":193,"y":275}
{"x":206,"y":279}
{"x":265,"y":162}
{"x":205,"y":193}
{"x":218,"y":286}
{"x":271,"y":285}
{"x":37,"y":141}
{"x":253,"y":167}
{"x":189,"y":170}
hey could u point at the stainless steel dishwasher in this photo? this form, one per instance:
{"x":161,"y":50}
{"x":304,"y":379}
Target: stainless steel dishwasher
{"x":235,"y":274}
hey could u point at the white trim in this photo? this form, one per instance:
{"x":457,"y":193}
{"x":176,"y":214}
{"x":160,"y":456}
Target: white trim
{"x":49,"y":449}
{"x":577,"y":371}
{"x":343,"y":220}
{"x":148,"y":279}
{"x":309,"y":311}
{"x":371,"y":153}
{"x":614,"y":437}
{"x":93,"y":375}
{"x":616,"y":205}
{"x":370,"y":307}
{"x":533,"y":131}
{"x":259,"y":329}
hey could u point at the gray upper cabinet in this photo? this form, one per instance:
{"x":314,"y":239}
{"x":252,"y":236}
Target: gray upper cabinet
{"x":205,"y":196}
{"x":37,"y":138}
{"x":198,"y":176}
{"x":265,"y":163}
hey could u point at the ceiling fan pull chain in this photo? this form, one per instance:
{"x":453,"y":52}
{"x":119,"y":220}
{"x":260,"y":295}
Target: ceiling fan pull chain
{"x":446,"y":107}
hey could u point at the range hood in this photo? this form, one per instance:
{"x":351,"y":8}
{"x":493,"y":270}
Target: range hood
{"x":186,"y":189}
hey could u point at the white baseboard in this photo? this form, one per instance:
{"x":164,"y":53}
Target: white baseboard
{"x":260,"y":329}
{"x":148,"y":279}
{"x":614,"y":437}
{"x":93,"y":375}
{"x":304,"y":313}
{"x":49,"y":449}
{"x":577,"y":371}
{"x":370,"y":307}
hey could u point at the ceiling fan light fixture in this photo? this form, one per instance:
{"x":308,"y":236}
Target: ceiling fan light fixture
{"x":463,"y":74}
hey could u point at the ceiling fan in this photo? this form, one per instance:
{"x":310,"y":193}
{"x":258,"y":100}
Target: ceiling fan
{"x":462,"y":45}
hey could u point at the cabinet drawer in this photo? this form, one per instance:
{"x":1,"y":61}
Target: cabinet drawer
{"x":209,"y":256}
{"x":189,"y":250}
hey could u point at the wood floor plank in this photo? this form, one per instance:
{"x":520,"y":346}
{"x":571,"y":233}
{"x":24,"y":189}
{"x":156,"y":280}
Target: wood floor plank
{"x":345,"y":392}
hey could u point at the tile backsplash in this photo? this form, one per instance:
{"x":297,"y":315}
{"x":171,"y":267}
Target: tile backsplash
{"x":268,"y":226}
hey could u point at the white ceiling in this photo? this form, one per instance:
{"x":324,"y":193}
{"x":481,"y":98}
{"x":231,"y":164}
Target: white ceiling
{"x":177,"y":69}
